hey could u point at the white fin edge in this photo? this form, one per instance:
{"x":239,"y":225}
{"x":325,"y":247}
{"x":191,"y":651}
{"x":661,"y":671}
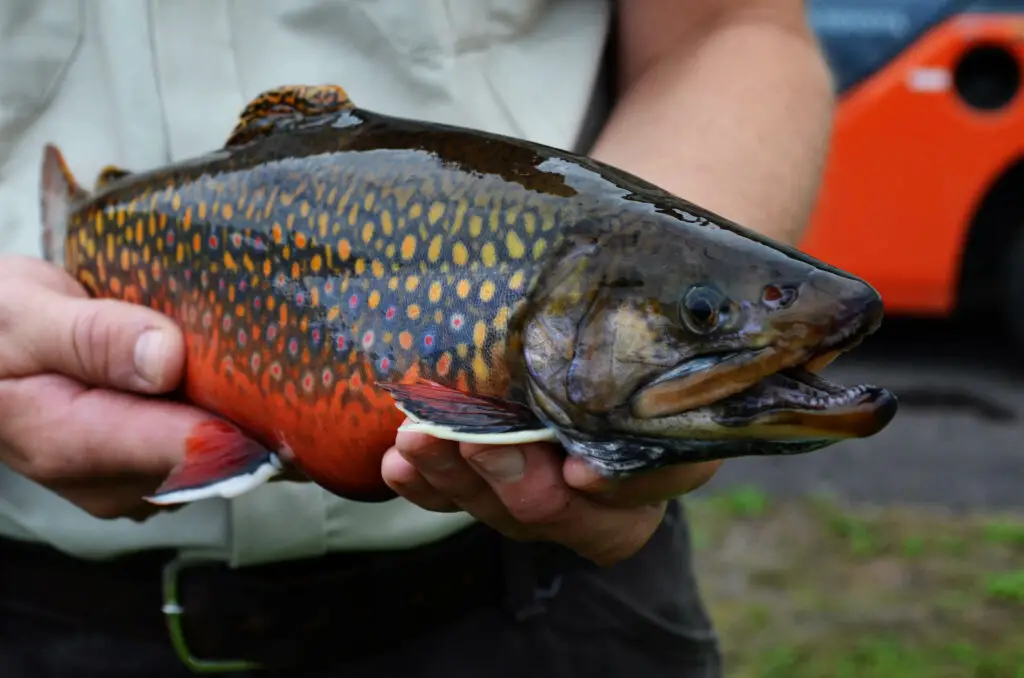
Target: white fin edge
{"x":228,"y":488}
{"x":537,"y":435}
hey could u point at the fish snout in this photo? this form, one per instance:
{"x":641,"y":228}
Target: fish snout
{"x":857,"y":307}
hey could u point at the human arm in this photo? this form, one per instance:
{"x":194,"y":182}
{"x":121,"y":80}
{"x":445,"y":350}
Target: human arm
{"x":727,"y":103}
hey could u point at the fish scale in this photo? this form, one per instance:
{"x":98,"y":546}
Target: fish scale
{"x":328,"y":264}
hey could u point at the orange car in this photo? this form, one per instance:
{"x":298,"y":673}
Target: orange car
{"x":924,"y":188}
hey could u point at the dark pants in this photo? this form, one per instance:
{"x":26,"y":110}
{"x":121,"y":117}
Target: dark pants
{"x":642,"y":617}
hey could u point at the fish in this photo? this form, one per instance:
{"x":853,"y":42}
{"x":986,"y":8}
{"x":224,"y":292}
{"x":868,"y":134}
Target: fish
{"x":340,"y":274}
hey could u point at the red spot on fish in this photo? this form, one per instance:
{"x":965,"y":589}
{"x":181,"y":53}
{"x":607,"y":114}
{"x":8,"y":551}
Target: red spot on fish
{"x":289,"y":391}
{"x":271,"y":332}
{"x":212,"y":241}
{"x":384,"y":364}
{"x":255,"y":362}
{"x":316,"y":335}
{"x":339,"y":342}
{"x":428,"y":340}
{"x":327,"y":377}
{"x":170,"y":237}
{"x":236,"y":239}
{"x":293,"y":346}
{"x":300,"y":298}
{"x":257,"y":302}
{"x":390,"y":313}
{"x":457,"y":322}
{"x":275,"y":370}
{"x":353,"y":301}
{"x":368,"y":339}
{"x":242,"y":338}
{"x":329,"y":286}
{"x":307,"y":382}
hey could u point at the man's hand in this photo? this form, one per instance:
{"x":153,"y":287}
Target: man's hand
{"x":67,"y":366}
{"x":533,"y":492}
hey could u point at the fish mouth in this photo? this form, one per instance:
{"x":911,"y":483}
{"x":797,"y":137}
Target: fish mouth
{"x":772,"y":394}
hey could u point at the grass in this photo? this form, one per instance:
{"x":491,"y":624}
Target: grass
{"x":815,"y":589}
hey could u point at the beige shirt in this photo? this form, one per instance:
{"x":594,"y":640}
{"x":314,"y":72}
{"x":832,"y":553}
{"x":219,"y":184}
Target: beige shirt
{"x":142,"y":82}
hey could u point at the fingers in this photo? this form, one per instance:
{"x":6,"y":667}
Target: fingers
{"x":403,"y":478}
{"x":102,"y":450}
{"x":520,"y":492}
{"x":99,"y":342}
{"x":651,"y":487}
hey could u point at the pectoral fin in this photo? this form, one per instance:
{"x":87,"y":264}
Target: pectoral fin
{"x":450,"y":414}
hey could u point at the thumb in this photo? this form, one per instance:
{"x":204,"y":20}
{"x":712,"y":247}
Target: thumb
{"x":101,"y":342}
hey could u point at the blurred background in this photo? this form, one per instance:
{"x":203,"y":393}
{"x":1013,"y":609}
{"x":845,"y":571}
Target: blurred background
{"x":901,"y":555}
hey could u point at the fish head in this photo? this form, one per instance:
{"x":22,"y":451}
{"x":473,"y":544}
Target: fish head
{"x":669,"y":337}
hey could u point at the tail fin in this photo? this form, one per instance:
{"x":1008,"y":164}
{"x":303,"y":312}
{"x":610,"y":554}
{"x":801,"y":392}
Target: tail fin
{"x":59,"y":191}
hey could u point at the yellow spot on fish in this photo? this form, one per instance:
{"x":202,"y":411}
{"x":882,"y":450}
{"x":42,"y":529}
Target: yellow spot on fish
{"x":405,"y":340}
{"x":415,"y":210}
{"x":393,"y":283}
{"x":267,"y":267}
{"x":201,"y":210}
{"x":99,"y":223}
{"x":408,"y":247}
{"x":316,"y":263}
{"x":480,"y":370}
{"x":304,"y":208}
{"x":516,"y":248}
{"x":378,"y":268}
{"x":227,"y":211}
{"x":539,"y":247}
{"x":368,"y":201}
{"x":300,"y":240}
{"x":367,"y":232}
{"x":344,"y":249}
{"x":460,"y":255}
{"x":436,"y":212}
{"x":487,"y":291}
{"x":463,"y":288}
{"x":386,"y":224}
{"x":229,"y":262}
{"x":517,"y":280}
{"x":413,"y":311}
{"x":333,"y":313}
{"x":530,"y":223}
{"x":321,"y":222}
{"x":360,"y":266}
{"x":488,"y":254}
{"x":480,"y":333}
{"x":434,"y":293}
{"x":501,"y":318}
{"x":434,"y":251}
{"x":176,"y":202}
{"x":277,"y":233}
{"x":374,"y":299}
{"x":411,"y":283}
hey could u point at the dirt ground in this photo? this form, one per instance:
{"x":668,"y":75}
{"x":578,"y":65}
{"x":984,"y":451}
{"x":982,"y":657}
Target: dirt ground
{"x":811,"y":588}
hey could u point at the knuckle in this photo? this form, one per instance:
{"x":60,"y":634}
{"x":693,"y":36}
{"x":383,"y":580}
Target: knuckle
{"x":92,"y":340}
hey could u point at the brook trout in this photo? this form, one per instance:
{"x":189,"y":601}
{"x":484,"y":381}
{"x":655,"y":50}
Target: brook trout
{"x":335,"y":271}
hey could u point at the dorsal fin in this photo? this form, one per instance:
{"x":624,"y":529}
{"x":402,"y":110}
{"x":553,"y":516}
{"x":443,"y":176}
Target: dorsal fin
{"x":108,"y":174}
{"x":286,"y":107}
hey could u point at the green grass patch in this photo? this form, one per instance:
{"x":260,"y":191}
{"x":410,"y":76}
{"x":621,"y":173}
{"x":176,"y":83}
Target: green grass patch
{"x":812,"y":588}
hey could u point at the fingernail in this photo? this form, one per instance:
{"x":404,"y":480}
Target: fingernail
{"x":503,"y":465}
{"x":151,"y":355}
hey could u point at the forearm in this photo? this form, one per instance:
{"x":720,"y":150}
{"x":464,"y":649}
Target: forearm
{"x":736,"y":121}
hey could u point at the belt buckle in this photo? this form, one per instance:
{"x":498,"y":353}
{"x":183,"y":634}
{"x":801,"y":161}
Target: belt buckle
{"x":173,"y":610}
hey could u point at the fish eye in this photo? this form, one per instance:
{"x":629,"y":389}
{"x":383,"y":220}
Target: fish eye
{"x":776,"y":297}
{"x":704,"y":308}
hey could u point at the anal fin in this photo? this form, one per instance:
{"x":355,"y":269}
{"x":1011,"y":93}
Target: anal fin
{"x":220,"y":461}
{"x":451,"y":414}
